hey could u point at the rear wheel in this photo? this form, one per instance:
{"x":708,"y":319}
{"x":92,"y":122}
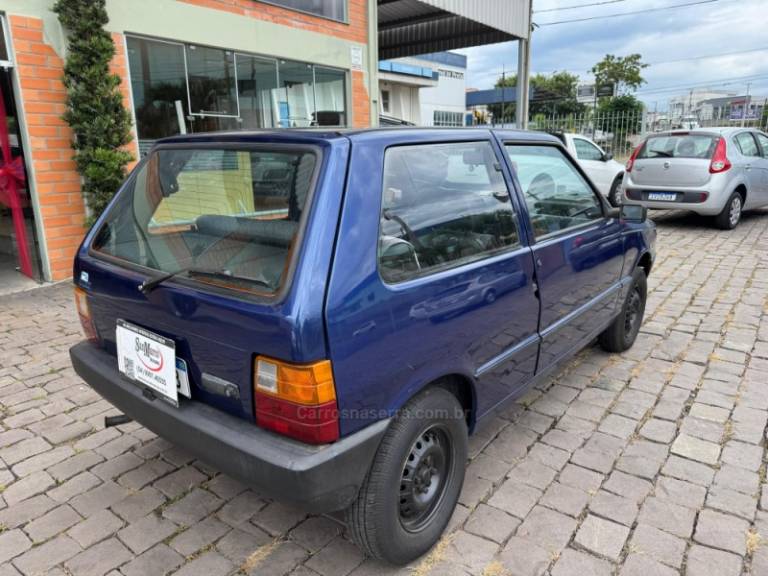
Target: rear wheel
{"x":412,"y":488}
{"x":730,"y":217}
{"x":614,"y":196}
{"x":622,"y":333}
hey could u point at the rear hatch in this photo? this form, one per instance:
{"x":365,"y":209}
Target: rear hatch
{"x":677,"y":160}
{"x":231,"y":220}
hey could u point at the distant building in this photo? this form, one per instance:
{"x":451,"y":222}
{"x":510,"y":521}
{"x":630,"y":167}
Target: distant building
{"x":686,"y":105}
{"x":424,"y":90}
{"x":732,"y":108}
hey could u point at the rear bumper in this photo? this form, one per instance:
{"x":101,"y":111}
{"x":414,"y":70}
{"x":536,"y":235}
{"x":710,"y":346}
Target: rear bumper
{"x":687,"y":198}
{"x":318,"y":478}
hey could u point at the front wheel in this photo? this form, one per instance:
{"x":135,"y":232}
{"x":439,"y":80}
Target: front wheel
{"x":622,"y":332}
{"x":730,"y":217}
{"x":412,"y":488}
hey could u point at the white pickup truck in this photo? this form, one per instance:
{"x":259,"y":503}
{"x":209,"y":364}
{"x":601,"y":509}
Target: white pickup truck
{"x":599,"y":165}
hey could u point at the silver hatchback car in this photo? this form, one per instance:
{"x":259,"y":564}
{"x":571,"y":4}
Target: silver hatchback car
{"x":711,"y":171}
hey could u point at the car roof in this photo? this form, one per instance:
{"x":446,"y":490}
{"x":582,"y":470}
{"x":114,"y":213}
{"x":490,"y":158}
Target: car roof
{"x":383,"y":132}
{"x":712,"y":131}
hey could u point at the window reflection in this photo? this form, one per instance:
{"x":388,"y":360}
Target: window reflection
{"x":256,"y":87}
{"x":297,"y":96}
{"x":329,"y":97}
{"x":211,"y":81}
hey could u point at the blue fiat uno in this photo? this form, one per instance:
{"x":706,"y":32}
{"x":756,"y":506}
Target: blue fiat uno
{"x":327,"y":316}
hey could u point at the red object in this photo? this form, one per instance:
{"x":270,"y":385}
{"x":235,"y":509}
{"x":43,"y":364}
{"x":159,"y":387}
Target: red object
{"x":310,"y":424}
{"x":11,"y":177}
{"x":720,"y":162}
{"x":631,"y":161}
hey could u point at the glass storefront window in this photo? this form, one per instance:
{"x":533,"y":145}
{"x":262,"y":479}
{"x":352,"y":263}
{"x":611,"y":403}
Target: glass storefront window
{"x":4,"y":52}
{"x":212,"y":89}
{"x":256,"y":90}
{"x":296,"y":103}
{"x":333,"y":9}
{"x":158,"y":81}
{"x":330,"y":95}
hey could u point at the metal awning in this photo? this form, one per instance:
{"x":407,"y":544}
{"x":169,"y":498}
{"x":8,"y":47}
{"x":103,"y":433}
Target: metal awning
{"x":413,"y":27}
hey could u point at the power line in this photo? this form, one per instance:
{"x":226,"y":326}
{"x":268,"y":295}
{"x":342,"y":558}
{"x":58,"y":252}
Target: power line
{"x":574,"y":6}
{"x":707,"y":57}
{"x":715,"y":82}
{"x":698,"y":2}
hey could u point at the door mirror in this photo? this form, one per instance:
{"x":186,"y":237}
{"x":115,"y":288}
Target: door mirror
{"x":607,"y":156}
{"x":634,"y":213}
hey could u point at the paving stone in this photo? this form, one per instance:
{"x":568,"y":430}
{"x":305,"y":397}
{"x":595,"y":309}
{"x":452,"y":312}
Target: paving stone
{"x":40,"y":559}
{"x":706,"y":412}
{"x":339,"y":558}
{"x":99,"y":498}
{"x":639,"y":565}
{"x":238,"y":545}
{"x":516,"y":499}
{"x":669,"y":517}
{"x":491,"y":523}
{"x":283,"y":558}
{"x":743,"y":455}
{"x":116,"y":466}
{"x":193,"y":507}
{"x":703,"y":561}
{"x":565,"y":499}
{"x":50,"y":524}
{"x":696,"y":449}
{"x":550,"y":456}
{"x":315,"y":532}
{"x":658,"y":430}
{"x":549,"y":529}
{"x":27,"y":487}
{"x":74,"y":487}
{"x":277,"y":518}
{"x":209,"y":564}
{"x":628,"y":486}
{"x":147,"y":473}
{"x":470,"y":551}
{"x":643,"y":459}
{"x":618,"y":426}
{"x":657,"y":544}
{"x":524,"y":557}
{"x":157,"y":561}
{"x":738,"y":479}
{"x":12,"y":544}
{"x":97,"y":527}
{"x":532,"y":473}
{"x":575,"y":563}
{"x":199,"y":536}
{"x":722,"y":531}
{"x":602,"y":537}
{"x":99,"y":559}
{"x":680,"y":492}
{"x":145,"y":533}
{"x":139,"y":504}
{"x":474,"y":490}
{"x":733,"y":502}
{"x":15,"y":516}
{"x":181,"y":481}
{"x":581,"y":478}
{"x":74,"y":465}
{"x":617,"y":508}
{"x":687,"y":470}
{"x":488,"y":468}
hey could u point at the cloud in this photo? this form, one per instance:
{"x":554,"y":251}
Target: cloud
{"x":716,"y":28}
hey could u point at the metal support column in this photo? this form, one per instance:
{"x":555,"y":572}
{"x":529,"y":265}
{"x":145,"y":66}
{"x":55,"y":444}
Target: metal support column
{"x":523,"y":83}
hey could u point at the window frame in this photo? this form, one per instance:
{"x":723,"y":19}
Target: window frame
{"x":344,"y":20}
{"x":533,"y":239}
{"x":210,"y":114}
{"x":486,"y":258}
{"x":252,"y":295}
{"x":592,"y":145}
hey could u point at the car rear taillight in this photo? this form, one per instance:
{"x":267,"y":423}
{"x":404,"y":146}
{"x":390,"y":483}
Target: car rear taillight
{"x":296,"y":400}
{"x":631,"y":161}
{"x":720,"y":162}
{"x":84,"y":312}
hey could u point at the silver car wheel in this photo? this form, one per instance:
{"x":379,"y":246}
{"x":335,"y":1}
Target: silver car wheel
{"x":735,"y":211}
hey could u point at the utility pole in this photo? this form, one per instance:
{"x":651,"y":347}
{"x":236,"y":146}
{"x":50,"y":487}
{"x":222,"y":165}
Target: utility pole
{"x":746,"y":106}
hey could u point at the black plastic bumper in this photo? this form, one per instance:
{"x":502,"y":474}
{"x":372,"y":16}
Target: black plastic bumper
{"x":319,"y":478}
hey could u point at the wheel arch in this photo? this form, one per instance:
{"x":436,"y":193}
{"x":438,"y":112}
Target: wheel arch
{"x":646,"y":263}
{"x":741,"y":188}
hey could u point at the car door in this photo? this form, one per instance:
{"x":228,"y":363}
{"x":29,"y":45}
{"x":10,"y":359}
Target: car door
{"x":578,"y":248}
{"x":751,"y":164}
{"x":592,"y":160}
{"x":762,"y":164}
{"x":432,"y":275}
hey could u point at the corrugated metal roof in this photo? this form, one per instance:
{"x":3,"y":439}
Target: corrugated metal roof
{"x":413,"y":27}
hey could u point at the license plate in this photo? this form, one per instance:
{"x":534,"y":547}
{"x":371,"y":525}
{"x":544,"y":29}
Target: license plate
{"x":663,"y":196}
{"x":148,"y":359}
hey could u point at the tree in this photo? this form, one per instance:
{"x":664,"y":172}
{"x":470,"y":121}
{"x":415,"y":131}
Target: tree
{"x":553,"y":95}
{"x":95,"y":111}
{"x":622,"y":72}
{"x":621,"y":116}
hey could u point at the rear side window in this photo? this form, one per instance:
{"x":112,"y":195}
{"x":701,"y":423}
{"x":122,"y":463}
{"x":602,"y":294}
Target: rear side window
{"x":763,"y":141}
{"x":747,"y":144}
{"x":679,"y":146}
{"x":443,"y":205}
{"x":224,"y":216}
{"x":557,"y":196}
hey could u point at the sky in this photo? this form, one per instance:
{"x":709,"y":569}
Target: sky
{"x":664,"y":39}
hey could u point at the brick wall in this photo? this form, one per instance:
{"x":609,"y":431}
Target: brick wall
{"x":39,"y":72}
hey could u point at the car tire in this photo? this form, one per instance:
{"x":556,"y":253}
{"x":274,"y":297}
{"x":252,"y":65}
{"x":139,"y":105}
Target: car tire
{"x":730,"y":217}
{"x":397,"y":519}
{"x":622,"y":332}
{"x":614,"y":196}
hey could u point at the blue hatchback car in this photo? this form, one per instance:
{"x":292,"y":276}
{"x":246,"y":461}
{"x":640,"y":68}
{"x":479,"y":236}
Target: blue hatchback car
{"x":327,"y":316}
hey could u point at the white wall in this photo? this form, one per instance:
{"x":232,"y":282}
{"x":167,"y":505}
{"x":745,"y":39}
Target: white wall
{"x":449,"y":95}
{"x":403,"y":101}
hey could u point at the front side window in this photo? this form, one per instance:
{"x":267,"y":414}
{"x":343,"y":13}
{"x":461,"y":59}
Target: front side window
{"x":586,"y":150}
{"x":557,"y":196}
{"x":443,"y":205}
{"x":333,"y":9}
{"x":222,"y":215}
{"x":747,"y":144}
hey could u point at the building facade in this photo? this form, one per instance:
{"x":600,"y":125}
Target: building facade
{"x":186,"y":66}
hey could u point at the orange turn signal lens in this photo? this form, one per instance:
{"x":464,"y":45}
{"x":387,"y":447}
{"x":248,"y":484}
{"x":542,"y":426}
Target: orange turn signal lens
{"x":84,"y":312}
{"x":307,"y":384}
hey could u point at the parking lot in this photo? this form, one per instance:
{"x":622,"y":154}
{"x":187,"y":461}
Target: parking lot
{"x":650,"y":464}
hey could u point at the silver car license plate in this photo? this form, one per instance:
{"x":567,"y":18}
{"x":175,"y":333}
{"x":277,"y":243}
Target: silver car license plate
{"x":663,"y":196}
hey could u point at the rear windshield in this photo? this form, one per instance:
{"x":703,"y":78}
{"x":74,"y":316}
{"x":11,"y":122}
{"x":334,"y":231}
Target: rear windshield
{"x":679,"y":146}
{"x":224,"y":216}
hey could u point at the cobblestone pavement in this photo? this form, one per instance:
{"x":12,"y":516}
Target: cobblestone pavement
{"x":651,"y":463}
